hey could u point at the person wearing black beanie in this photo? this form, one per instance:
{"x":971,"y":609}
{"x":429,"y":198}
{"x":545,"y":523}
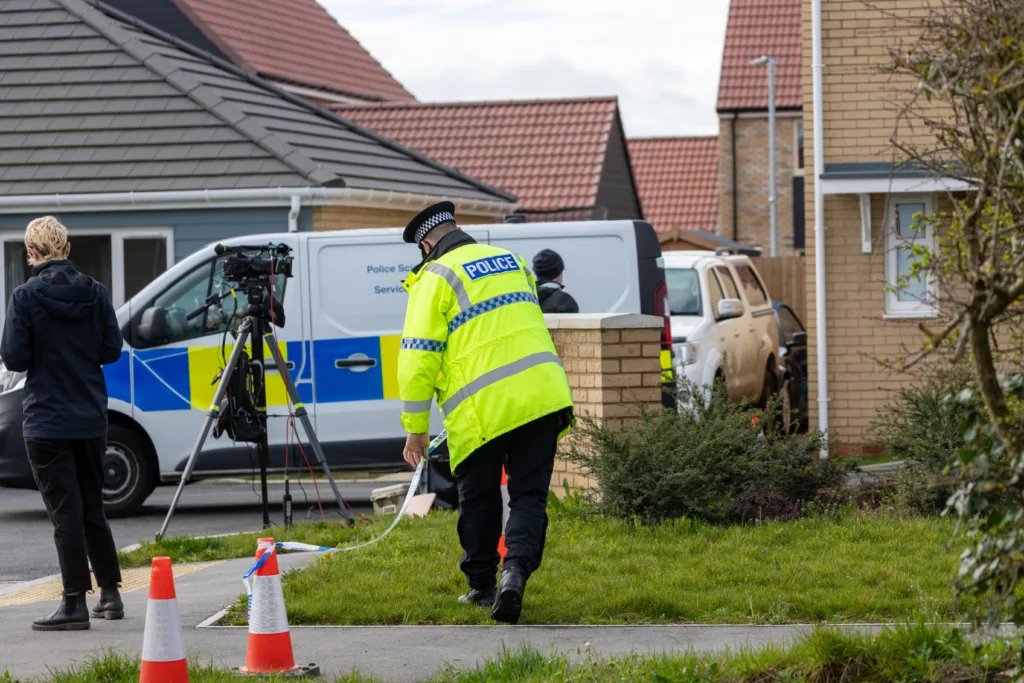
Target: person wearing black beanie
{"x":548,"y":267}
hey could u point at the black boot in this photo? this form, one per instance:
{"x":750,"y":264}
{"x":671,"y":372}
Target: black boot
{"x":480,"y":598}
{"x":509,"y":602}
{"x":72,"y":615}
{"x":109,"y":605}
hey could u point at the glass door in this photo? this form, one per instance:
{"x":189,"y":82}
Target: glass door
{"x":124,"y":261}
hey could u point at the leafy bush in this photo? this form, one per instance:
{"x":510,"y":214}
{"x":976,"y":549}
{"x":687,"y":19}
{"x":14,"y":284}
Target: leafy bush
{"x":917,"y":425}
{"x":706,"y":462}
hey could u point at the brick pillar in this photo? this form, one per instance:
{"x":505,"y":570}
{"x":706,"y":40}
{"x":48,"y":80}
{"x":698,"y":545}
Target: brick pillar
{"x":613,"y":365}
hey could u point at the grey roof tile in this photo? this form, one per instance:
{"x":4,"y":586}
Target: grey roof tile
{"x":93,"y":101}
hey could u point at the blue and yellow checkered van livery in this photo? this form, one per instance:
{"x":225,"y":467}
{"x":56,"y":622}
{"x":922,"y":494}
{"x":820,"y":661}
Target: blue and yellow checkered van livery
{"x":185,"y":378}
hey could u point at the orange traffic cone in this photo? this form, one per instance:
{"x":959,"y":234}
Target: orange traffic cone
{"x":504,"y":514}
{"x":163,"y":647}
{"x":270,"y":643}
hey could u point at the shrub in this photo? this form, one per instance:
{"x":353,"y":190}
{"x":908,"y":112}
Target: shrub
{"x":705,"y":461}
{"x":918,"y":426}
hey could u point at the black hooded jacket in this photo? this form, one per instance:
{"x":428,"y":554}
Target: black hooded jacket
{"x":60,"y":329}
{"x":554,"y":299}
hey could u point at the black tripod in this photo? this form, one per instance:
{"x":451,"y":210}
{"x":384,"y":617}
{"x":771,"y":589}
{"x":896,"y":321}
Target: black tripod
{"x":255,"y":324}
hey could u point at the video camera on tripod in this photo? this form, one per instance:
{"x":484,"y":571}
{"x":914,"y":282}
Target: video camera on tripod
{"x":252,"y":270}
{"x":239,"y":406}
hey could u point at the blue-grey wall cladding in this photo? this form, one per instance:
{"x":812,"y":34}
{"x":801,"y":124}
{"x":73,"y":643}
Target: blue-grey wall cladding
{"x":192,"y":228}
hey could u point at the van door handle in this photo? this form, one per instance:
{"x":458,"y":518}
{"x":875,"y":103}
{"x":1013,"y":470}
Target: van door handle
{"x":272,"y":367}
{"x":356,"y":360}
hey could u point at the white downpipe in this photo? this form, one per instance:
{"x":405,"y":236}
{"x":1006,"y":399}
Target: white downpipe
{"x":293,"y":214}
{"x":819,"y":223}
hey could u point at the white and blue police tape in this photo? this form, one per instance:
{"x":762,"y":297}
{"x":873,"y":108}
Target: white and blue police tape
{"x":252,"y":570}
{"x":310,"y":548}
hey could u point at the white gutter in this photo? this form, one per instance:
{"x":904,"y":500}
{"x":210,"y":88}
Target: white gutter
{"x":248,"y":198}
{"x":293,"y":214}
{"x":819,"y":225}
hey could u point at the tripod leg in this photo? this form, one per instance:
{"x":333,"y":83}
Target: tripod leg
{"x":222,"y":387}
{"x":307,"y":427}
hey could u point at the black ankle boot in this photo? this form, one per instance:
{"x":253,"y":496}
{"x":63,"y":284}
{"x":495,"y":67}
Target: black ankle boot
{"x":509,"y":602}
{"x":480,"y":598}
{"x":109,"y":605}
{"x":71,"y":615}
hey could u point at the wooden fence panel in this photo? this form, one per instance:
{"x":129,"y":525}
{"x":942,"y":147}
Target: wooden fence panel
{"x":786,"y":280}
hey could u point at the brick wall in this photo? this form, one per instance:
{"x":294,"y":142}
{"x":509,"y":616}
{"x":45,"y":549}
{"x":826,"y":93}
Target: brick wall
{"x":860,"y":106}
{"x":351,"y":217}
{"x":860,"y":101}
{"x":612,"y":363}
{"x":754,"y":224}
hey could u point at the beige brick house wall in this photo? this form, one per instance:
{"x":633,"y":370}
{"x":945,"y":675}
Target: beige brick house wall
{"x":353,"y":217}
{"x":860,"y":108}
{"x":754,"y":224}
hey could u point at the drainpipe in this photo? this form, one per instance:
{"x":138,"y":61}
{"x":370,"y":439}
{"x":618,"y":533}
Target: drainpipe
{"x":293,"y":214}
{"x":735,"y":191}
{"x":819,"y":224}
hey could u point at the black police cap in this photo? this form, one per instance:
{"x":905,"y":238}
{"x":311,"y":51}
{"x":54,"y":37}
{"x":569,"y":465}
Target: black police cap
{"x":428,"y":219}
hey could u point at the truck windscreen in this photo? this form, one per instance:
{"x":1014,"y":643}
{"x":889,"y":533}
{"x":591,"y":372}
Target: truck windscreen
{"x":683,"y":291}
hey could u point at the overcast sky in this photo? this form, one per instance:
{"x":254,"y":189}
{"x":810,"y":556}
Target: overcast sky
{"x":660,"y":57}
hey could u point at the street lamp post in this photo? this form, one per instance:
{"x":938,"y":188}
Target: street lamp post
{"x":772,"y":201}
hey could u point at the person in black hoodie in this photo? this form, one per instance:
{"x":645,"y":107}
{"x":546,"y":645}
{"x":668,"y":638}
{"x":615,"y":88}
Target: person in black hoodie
{"x":548,"y":266}
{"x":60,"y":330}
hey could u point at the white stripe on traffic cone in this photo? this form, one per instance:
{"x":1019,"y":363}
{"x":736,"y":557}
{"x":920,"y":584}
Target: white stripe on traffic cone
{"x":163,"y":646}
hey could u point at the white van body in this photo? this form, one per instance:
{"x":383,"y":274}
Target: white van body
{"x":738,"y":345}
{"x":345,"y":309}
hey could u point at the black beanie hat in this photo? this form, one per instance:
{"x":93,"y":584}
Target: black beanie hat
{"x":548,"y":264}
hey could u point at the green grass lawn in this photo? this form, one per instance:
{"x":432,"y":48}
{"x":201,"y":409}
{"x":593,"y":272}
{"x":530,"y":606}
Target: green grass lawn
{"x":906,"y":653}
{"x":861,"y":567}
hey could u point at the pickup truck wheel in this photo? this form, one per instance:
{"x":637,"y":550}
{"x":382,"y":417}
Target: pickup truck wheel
{"x":129,"y":473}
{"x":787,"y":410}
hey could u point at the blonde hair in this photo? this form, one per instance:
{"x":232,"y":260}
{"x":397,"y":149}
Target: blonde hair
{"x":47,"y":237}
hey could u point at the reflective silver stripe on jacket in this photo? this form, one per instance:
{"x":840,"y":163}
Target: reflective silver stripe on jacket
{"x":453,"y":280}
{"x":496,"y":375}
{"x":416,"y":406}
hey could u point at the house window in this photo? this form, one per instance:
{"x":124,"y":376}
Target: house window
{"x":798,"y":148}
{"x":907,"y":296}
{"x":123,"y":260}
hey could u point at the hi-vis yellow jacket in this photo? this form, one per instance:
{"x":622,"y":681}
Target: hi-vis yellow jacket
{"x":475,"y":338}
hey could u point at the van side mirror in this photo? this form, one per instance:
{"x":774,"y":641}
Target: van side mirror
{"x":730,"y":308}
{"x":799,"y":339}
{"x":153,"y":324}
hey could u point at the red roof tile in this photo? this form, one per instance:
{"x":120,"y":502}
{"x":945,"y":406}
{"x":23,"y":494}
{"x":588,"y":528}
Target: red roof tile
{"x":677,"y":179}
{"x":294,"y":40}
{"x":756,"y":28}
{"x":549,"y":153}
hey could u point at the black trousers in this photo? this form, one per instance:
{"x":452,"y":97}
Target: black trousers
{"x":528,"y":455}
{"x":69,"y":474}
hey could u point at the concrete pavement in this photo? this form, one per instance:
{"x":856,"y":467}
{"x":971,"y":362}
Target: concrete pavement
{"x":398,"y":654}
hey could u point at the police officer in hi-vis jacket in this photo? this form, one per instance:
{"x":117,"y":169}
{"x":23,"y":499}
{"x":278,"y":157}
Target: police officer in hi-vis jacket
{"x":475,"y":340}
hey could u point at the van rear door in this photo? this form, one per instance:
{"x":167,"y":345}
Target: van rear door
{"x":357,"y":310}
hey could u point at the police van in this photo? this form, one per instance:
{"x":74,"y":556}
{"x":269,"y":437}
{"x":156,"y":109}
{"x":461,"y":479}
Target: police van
{"x":345,"y":307}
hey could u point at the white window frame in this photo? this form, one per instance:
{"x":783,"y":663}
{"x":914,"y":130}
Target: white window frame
{"x":894,"y":308}
{"x":117,"y":238}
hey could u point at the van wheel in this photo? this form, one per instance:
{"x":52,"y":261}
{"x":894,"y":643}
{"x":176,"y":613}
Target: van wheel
{"x":128,"y":472}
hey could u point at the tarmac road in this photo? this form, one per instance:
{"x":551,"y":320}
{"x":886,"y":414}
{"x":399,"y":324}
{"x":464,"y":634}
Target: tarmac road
{"x":203,"y":509}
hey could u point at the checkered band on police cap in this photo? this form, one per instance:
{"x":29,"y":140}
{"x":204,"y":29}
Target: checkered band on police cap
{"x":432,"y":222}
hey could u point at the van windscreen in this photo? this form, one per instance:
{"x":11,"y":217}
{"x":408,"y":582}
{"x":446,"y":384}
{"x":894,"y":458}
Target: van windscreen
{"x":683,"y":291}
